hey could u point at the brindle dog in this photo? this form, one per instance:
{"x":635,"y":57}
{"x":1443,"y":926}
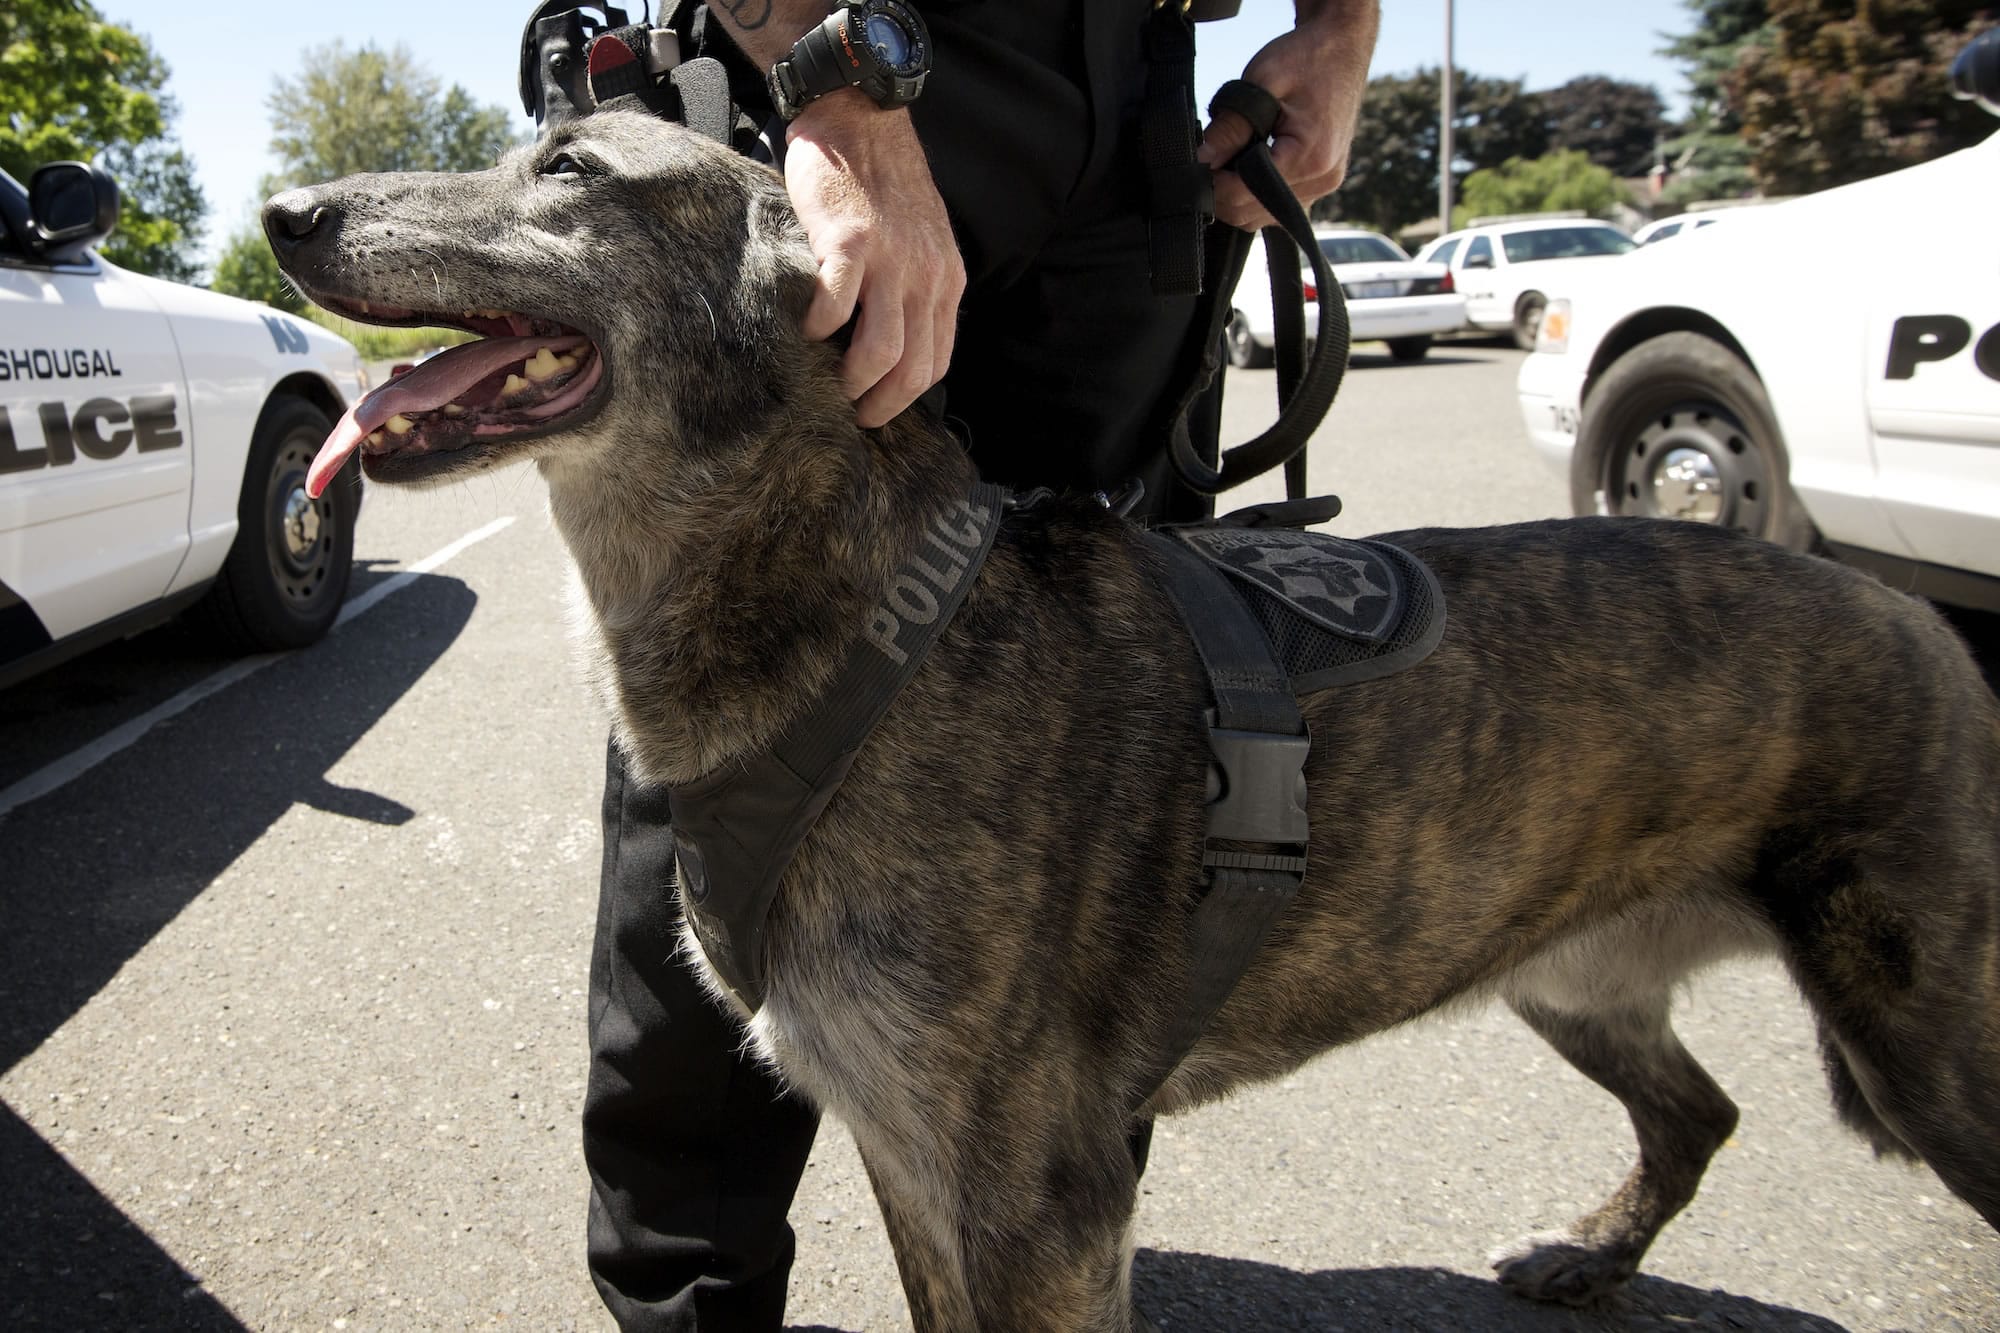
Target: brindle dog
{"x":1640,"y":748}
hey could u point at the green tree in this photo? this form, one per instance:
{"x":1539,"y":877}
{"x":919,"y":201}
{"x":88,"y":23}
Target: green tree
{"x":1848,"y":89}
{"x":1559,"y":182}
{"x":1616,"y":123}
{"x":375,"y":110}
{"x":248,"y":269}
{"x":1709,"y":158}
{"x":73,"y":86}
{"x":1392,"y":178}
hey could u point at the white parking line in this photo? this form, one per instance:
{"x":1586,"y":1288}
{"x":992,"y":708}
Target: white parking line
{"x":78,"y":762}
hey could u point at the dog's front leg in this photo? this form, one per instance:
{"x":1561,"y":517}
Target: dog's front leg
{"x":1032,"y":1234}
{"x":926,"y":1249}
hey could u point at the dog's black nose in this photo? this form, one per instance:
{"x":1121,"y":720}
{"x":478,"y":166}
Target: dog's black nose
{"x":292,"y":217}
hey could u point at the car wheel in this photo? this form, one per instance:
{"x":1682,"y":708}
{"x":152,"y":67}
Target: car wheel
{"x":1528,"y":320}
{"x":1410,"y":349}
{"x":286,"y":574}
{"x":1244,"y":351}
{"x":1679,"y":427}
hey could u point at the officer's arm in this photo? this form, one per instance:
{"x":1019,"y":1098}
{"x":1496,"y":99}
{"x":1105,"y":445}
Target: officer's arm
{"x":858,"y":178}
{"x":1318,"y":72}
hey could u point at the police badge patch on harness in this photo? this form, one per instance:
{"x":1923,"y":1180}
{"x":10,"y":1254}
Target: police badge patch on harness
{"x":1335,"y":611}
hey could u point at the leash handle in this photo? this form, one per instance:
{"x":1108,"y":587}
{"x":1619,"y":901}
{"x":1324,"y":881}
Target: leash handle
{"x":1305,"y":394}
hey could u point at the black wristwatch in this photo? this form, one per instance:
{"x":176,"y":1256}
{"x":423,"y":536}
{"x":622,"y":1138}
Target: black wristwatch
{"x":878,"y":46}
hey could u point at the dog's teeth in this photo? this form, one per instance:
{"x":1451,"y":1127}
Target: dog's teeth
{"x":376,"y":438}
{"x":515,"y":384}
{"x":567,"y":362}
{"x":401,"y":425}
{"x":542,"y":365}
{"x":453,"y":410}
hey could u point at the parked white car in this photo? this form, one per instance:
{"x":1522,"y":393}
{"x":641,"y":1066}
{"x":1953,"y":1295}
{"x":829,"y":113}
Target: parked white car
{"x":1390,"y":297}
{"x":1507,"y":269}
{"x":1665,"y":229}
{"x":1686,"y":224}
{"x":1724,"y":379}
{"x":154,"y":440}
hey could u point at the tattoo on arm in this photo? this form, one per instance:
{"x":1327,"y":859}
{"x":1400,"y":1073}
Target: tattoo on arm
{"x":766,"y":29}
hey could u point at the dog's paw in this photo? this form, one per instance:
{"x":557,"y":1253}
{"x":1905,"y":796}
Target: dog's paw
{"x":1560,"y":1266}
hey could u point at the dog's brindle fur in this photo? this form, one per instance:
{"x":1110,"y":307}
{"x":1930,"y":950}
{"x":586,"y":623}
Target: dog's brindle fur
{"x":1641,"y":747}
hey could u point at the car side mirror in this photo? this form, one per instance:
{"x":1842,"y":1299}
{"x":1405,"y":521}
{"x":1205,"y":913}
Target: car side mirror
{"x":1975,"y":75}
{"x":1479,"y":261}
{"x":72,"y":205}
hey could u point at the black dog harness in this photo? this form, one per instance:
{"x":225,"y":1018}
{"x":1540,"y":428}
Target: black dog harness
{"x":736,"y":830}
{"x":1271,"y":611}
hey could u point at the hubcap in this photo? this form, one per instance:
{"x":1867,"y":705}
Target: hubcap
{"x":301,"y":524}
{"x":1695,"y":462}
{"x":1687,"y":484}
{"x":299,"y":544}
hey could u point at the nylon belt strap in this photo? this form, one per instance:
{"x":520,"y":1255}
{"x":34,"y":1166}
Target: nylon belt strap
{"x":1258,"y":742}
{"x":736,"y":830}
{"x":1180,"y":191}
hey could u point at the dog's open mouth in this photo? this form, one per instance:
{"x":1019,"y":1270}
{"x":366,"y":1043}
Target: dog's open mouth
{"x":524,"y":376}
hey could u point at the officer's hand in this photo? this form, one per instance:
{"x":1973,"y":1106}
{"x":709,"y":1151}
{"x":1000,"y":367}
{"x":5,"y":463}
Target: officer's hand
{"x":1318,"y":72}
{"x":858,"y":179}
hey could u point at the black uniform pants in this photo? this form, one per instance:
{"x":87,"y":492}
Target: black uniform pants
{"x":1064,"y":366}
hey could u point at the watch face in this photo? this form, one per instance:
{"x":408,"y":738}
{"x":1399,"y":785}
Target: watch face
{"x":891,"y":43}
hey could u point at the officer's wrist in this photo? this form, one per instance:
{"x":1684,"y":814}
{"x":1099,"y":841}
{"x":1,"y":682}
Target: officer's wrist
{"x":846,"y":112}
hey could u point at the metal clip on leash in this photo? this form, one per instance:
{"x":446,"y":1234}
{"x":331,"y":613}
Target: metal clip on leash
{"x":1306,"y":388}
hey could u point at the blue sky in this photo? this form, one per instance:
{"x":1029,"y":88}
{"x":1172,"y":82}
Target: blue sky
{"x":225,"y":57}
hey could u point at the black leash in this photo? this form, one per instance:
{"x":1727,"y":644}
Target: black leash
{"x":1306,"y":387}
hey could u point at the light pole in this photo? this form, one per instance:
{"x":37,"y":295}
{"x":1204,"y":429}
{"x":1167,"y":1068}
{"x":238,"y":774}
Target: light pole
{"x":1447,"y":150}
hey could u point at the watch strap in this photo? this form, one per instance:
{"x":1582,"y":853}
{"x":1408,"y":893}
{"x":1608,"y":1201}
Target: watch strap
{"x":815,"y":67}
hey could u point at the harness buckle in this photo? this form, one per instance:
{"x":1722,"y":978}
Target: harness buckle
{"x":1257,"y":795}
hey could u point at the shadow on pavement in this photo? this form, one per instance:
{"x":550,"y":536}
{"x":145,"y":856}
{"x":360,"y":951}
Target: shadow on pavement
{"x":74,"y":1261}
{"x":1199,"y":1293}
{"x":94,"y":870}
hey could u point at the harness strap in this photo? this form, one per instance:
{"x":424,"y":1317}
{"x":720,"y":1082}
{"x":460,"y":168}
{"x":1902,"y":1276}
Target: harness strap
{"x":736,"y":830}
{"x":1254,"y":850}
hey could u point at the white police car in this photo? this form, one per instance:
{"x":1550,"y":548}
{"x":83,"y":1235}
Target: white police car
{"x":1390,"y":298}
{"x":1824,"y":373}
{"x":1507,"y":267}
{"x":154,"y":440}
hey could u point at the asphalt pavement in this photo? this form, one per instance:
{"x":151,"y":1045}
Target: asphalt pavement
{"x":292,"y":993}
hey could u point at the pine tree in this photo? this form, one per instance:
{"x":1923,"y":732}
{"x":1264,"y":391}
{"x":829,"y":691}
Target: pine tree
{"x":1709,"y":158}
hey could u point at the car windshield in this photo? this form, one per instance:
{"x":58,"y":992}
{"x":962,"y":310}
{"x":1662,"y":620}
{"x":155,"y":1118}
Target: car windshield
{"x":1525,"y":247}
{"x":1360,"y":250}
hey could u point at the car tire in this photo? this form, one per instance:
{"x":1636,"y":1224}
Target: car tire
{"x":1528,"y":320}
{"x":286,"y":574}
{"x":1410,"y":349}
{"x":1244,"y":351}
{"x":1680,"y":427}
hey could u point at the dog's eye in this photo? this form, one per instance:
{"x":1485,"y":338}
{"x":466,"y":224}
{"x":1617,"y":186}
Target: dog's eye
{"x":564,"y":167}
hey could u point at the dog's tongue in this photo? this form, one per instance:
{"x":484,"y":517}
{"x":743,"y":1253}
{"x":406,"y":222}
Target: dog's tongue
{"x":424,"y":388}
